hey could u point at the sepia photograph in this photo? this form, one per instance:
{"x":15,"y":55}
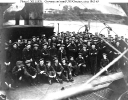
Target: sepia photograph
{"x":63,"y":50}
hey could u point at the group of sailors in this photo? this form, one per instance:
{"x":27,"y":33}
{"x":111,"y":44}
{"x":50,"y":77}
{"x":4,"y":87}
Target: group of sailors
{"x":61,"y":57}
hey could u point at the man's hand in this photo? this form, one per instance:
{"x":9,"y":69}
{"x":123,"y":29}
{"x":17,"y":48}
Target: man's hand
{"x":20,"y":78}
{"x":36,"y":63}
{"x":34,"y":76}
{"x":79,"y":65}
{"x":19,"y":69}
{"x":59,"y":73}
{"x":42,"y":72}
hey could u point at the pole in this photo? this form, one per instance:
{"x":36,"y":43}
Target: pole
{"x":58,"y":28}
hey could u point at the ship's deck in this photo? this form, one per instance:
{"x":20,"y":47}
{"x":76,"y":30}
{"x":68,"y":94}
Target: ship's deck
{"x":39,"y":92}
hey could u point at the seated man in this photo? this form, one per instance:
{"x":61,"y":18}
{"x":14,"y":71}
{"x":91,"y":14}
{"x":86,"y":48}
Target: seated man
{"x":51,"y":73}
{"x":104,"y":62}
{"x":67,"y":71}
{"x":73,"y":65}
{"x":18,"y":72}
{"x":41,"y":69}
{"x":59,"y":70}
{"x":30,"y":72}
{"x":81,"y":64}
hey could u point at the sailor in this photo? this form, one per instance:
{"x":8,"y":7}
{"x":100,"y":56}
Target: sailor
{"x":73,"y":65}
{"x":49,"y":43}
{"x":18,"y":72}
{"x":34,"y":40}
{"x":51,"y":73}
{"x":62,"y":52}
{"x":27,"y":52}
{"x":81,"y":64}
{"x":53,"y":50}
{"x":36,"y":53}
{"x":42,"y":72}
{"x":59,"y":70}
{"x":116,"y":54}
{"x":45,"y":52}
{"x":104,"y":62}
{"x":15,"y":55}
{"x":67,"y":71}
{"x":85,"y":54}
{"x":72,"y":49}
{"x":30,"y":72}
{"x":93,"y":59}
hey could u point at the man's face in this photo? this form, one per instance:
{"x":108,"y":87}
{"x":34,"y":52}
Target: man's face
{"x":84,"y":48}
{"x":117,"y":43}
{"x":20,"y":37}
{"x":19,"y":41}
{"x":104,"y":56}
{"x":93,"y":46}
{"x":63,"y":61}
{"x":36,"y":47}
{"x":45,"y":46}
{"x":38,"y":39}
{"x":25,"y":41}
{"x":19,"y":66}
{"x":71,"y":58}
{"x":80,"y":56}
{"x":28,"y":46}
{"x":53,"y":38}
{"x":10,"y":41}
{"x":49,"y":40}
{"x":29,"y":42}
{"x":56,"y":61}
{"x":72,"y":42}
{"x":15,"y":46}
{"x":28,"y":64}
{"x":66,"y":40}
{"x":42,"y":62}
{"x":89,"y":43}
{"x":34,"y":39}
{"x":49,"y":64}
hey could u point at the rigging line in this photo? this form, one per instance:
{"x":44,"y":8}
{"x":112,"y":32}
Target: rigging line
{"x":103,"y":22}
{"x":111,"y":45}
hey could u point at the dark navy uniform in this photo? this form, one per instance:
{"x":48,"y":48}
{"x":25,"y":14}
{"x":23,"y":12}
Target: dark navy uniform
{"x":72,"y":49}
{"x":67,"y":70}
{"x":74,"y":67}
{"x":93,"y":60}
{"x":51,"y":73}
{"x":18,"y":72}
{"x":59,"y":70}
{"x":36,"y":53}
{"x":104,"y":62}
{"x":27,"y":53}
{"x":81,"y":63}
{"x":30,"y":72}
{"x":45,"y":53}
{"x":41,"y":69}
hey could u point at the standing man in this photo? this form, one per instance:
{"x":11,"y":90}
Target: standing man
{"x":93,"y":59}
{"x":27,"y":52}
